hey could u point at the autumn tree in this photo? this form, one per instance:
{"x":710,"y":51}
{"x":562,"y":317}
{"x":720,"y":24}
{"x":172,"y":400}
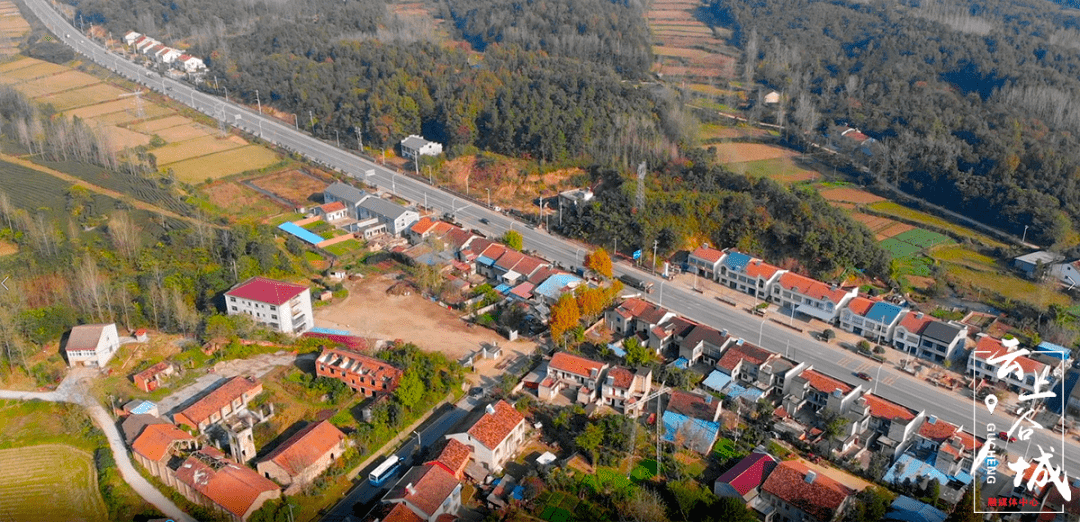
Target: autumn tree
{"x":565,"y":315}
{"x":591,"y":303}
{"x":600,"y":262}
{"x":513,"y":239}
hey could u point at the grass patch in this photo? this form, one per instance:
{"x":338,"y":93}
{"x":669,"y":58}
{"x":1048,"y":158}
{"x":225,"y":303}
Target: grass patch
{"x":963,"y":256}
{"x":899,"y":211}
{"x":777,"y":450}
{"x":345,"y":248}
{"x":899,"y":249}
{"x":782,"y":170}
{"x":922,"y":238}
{"x":645,"y":470}
{"x":1007,"y":286}
{"x":312,"y":256}
{"x":607,"y":477}
{"x":285,"y":218}
{"x":34,"y":475}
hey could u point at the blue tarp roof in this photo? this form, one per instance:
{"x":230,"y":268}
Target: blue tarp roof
{"x":1054,"y":350}
{"x":736,"y":261}
{"x":486,"y":261}
{"x":716,"y":380}
{"x":910,"y":467}
{"x":143,"y":407}
{"x":330,"y":331}
{"x":617,"y":350}
{"x":883,"y":312}
{"x":552,"y":285}
{"x":518,"y":493}
{"x":301,"y":233}
{"x":734,"y":391}
{"x":907,"y":509}
{"x":681,"y":363}
{"x":701,"y":430}
{"x":503,"y":288}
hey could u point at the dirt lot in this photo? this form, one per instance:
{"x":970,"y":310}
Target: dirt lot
{"x":850,"y":195}
{"x":241,"y":200}
{"x":739,"y":152}
{"x":300,"y":188}
{"x":370,"y":312}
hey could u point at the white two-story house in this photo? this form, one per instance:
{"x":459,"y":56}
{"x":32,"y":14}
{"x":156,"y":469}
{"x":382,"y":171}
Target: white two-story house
{"x":747,"y":274}
{"x":566,"y":370}
{"x":811,"y":297}
{"x":496,"y":437}
{"x":876,"y":320}
{"x":285,"y":307}
{"x":927,"y":338}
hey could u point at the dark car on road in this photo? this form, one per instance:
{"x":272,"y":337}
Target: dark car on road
{"x":485,"y":221}
{"x":864,"y":376}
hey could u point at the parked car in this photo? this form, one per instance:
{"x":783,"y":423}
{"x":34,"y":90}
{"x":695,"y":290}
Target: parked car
{"x":864,"y":376}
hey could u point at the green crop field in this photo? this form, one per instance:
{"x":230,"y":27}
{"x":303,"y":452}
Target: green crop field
{"x":899,"y":249}
{"x":345,"y":248}
{"x":962,"y":256}
{"x":922,"y":238}
{"x":899,"y":211}
{"x":141,"y":188}
{"x":49,"y":483}
{"x":32,"y":190}
{"x":645,"y":470}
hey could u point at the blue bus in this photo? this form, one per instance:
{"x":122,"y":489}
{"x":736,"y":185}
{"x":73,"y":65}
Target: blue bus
{"x":385,"y":470}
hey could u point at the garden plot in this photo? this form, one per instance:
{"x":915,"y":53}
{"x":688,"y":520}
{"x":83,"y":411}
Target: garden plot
{"x":849,"y":195}
{"x":89,"y":95}
{"x":195,"y":148}
{"x":295,"y":186}
{"x":121,"y":138}
{"x":49,"y":483}
{"x":740,"y":152}
{"x":31,"y":72}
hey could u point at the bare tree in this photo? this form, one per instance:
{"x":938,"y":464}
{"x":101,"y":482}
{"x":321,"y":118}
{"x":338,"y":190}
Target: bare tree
{"x":645,"y":506}
{"x":88,"y":288}
{"x":750,"y":58}
{"x":124,"y":235}
{"x":6,"y":207}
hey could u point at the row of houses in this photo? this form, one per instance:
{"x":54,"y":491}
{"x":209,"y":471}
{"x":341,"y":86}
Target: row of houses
{"x":161,"y":53}
{"x":189,"y":455}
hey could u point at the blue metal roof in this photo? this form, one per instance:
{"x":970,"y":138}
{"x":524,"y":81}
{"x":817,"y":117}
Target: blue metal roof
{"x":681,"y":363}
{"x":1054,"y":350}
{"x":909,"y":467}
{"x":1056,"y":403}
{"x":301,"y":233}
{"x":907,"y":509}
{"x":143,"y":407}
{"x":486,"y":261}
{"x":883,"y":312}
{"x":552,"y":285}
{"x":716,"y":380}
{"x":503,"y":288}
{"x":736,"y":261}
{"x":702,"y":430}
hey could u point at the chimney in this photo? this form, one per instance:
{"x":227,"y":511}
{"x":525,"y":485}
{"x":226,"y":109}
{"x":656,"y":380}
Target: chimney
{"x":490,"y":409}
{"x":810,"y":476}
{"x":723,"y":333}
{"x":409,"y":487}
{"x":739,"y":342}
{"x":708,"y":399}
{"x":932,"y":419}
{"x":918,"y":315}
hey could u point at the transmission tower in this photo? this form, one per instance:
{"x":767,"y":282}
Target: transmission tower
{"x":139,"y":112}
{"x":640,"y":204}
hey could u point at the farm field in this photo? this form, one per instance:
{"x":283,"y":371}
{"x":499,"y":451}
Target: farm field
{"x":899,"y":211}
{"x":35,"y":69}
{"x":240,"y":201}
{"x":685,"y":47}
{"x":221,"y":164}
{"x":49,"y":483}
{"x":782,"y":170}
{"x":713,"y":132}
{"x":29,"y":189}
{"x":194,"y":148}
{"x":121,"y":138}
{"x":293,"y":185}
{"x":80,"y":97}
{"x":55,"y":83}
{"x":13,"y":28}
{"x":738,"y":152}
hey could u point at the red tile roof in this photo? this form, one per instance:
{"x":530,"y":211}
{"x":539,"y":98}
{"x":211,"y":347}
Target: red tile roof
{"x":430,"y":485}
{"x":886,"y":409}
{"x":711,"y":255}
{"x":524,"y":290}
{"x":989,"y":347}
{"x":542,"y":274}
{"x":620,"y":377}
{"x":421,"y":227}
{"x":812,"y":288}
{"x":305,"y":447}
{"x":938,"y":431}
{"x":509,"y":259}
{"x":150,"y":372}
{"x":493,"y":251}
{"x":233,"y":487}
{"x":528,"y":265}
{"x":332,"y":207}
{"x":1055,"y":502}
{"x":700,"y":333}
{"x":743,"y":352}
{"x":821,"y":499}
{"x":749,"y":473}
{"x":213,"y":402}
{"x":571,"y":363}
{"x":454,"y":456}
{"x":859,"y":305}
{"x":693,"y":405}
{"x":154,"y":441}
{"x":633,"y":306}
{"x":459,"y":237}
{"x":402,"y":513}
{"x":761,"y":269}
{"x":267,"y":291}
{"x":915,"y":322}
{"x":970,"y":442}
{"x":493,"y":428}
{"x":823,"y":383}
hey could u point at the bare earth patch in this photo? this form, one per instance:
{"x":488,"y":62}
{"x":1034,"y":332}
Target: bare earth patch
{"x":850,"y":195}
{"x":739,"y":152}
{"x":894,"y":229}
{"x":6,"y":248}
{"x":293,"y":185}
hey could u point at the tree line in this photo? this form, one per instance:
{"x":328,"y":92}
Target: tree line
{"x":975,"y":103}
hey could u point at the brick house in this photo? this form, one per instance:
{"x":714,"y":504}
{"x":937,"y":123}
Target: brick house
{"x":495,"y":437}
{"x":367,"y":375}
{"x":210,"y":479}
{"x":304,"y":456}
{"x":798,"y":494}
{"x":149,"y":379}
{"x":220,"y":404}
{"x":156,"y":445}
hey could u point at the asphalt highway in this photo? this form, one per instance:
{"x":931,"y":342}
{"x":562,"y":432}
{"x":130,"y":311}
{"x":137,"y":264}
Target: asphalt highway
{"x":827,"y":358}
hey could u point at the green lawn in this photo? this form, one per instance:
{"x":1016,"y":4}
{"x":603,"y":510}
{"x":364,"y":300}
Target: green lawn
{"x":345,"y":248}
{"x":645,"y":470}
{"x":725,"y":449}
{"x":607,"y":476}
{"x":312,"y":256}
{"x":284,"y":218}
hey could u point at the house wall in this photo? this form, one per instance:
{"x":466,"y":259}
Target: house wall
{"x":293,"y":317}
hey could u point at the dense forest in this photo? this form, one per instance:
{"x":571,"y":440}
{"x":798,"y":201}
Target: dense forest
{"x":697,"y":199}
{"x":975,"y":102}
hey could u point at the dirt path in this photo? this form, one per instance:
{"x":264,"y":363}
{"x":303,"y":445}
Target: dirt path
{"x":72,"y":390}
{"x":142,"y":205}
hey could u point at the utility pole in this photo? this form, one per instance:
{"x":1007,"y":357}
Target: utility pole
{"x":226,"y":95}
{"x":338,"y":135}
{"x":489,"y":198}
{"x":359,"y":137}
{"x":654,"y":244}
{"x":257,"y":100}
{"x":296,"y":121}
{"x":311,"y":118}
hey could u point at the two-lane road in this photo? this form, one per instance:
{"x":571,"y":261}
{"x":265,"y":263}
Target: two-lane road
{"x":827,"y":358}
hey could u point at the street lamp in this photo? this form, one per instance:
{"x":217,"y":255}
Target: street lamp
{"x":257,"y":100}
{"x":489,"y":198}
{"x":661,"y":303}
{"x":878,"y":376}
{"x":418,"y":441}
{"x":760,"y":332}
{"x":1024,"y":239}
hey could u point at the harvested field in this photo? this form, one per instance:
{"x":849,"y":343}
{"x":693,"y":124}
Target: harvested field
{"x":909,"y":214}
{"x":681,"y":29}
{"x":88,"y":95}
{"x":121,"y":138}
{"x":850,"y":195}
{"x":712,"y":131}
{"x":235,"y":161}
{"x":49,"y":483}
{"x":874,"y":223}
{"x":294,"y":186}
{"x":700,"y":72}
{"x":681,"y":52}
{"x":892,"y":230}
{"x":241,"y":201}
{"x":710,"y":90}
{"x":37,"y":70}
{"x":119,"y":119}
{"x":740,"y":152}
{"x":18,"y":64}
{"x":64,"y":81}
{"x":672,"y":15}
{"x":195,"y":148}
{"x":188,"y":131}
{"x":93,"y":111}
{"x":782,"y":170}
{"x":153,"y":126}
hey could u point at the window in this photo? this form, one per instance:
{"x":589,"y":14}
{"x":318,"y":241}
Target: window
{"x":232,"y":299}
{"x":234,"y":308}
{"x":272,"y":307}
